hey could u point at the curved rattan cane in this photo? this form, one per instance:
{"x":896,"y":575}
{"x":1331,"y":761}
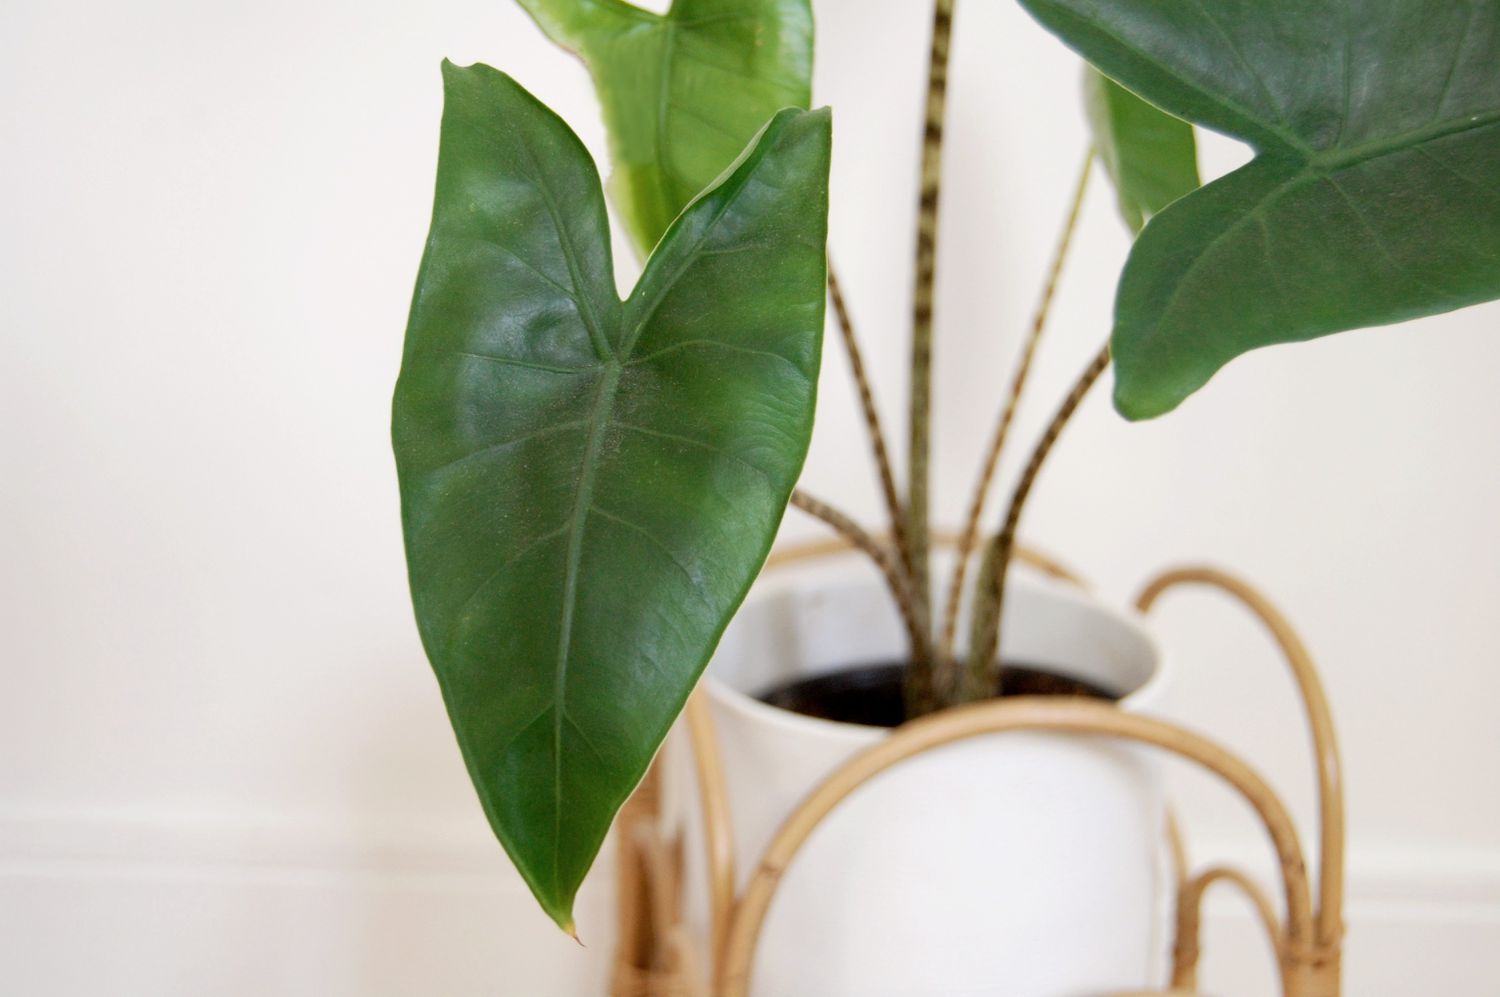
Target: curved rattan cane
{"x":1307,"y":946}
{"x":718,"y":831}
{"x":1186,"y":947}
{"x":1021,"y":714}
{"x":1323,"y":949}
{"x":713,"y":793}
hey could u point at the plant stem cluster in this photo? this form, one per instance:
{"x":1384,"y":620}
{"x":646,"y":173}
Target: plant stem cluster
{"x":939,"y":675}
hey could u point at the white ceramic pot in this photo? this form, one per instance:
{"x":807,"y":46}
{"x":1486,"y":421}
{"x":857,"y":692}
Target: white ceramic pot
{"x":1022,"y":864}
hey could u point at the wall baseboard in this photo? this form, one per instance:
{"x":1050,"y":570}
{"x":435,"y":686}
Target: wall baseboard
{"x":1418,"y":922}
{"x":164,"y":905}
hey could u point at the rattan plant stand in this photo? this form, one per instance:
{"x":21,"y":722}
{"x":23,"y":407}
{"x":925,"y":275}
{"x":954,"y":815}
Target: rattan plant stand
{"x":657,"y":956}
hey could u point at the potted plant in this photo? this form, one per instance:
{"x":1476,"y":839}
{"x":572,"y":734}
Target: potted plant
{"x":591,"y":485}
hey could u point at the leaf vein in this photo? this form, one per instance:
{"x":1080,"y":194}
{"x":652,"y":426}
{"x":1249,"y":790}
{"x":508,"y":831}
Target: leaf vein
{"x":1484,"y":191}
{"x":493,"y":448}
{"x":651,"y":538}
{"x":515,"y":556}
{"x":525,"y":364}
{"x":570,"y":293}
{"x":1270,"y":263}
{"x":588,"y":742}
{"x":1202,"y":254}
{"x":1378,"y":239}
{"x":691,"y":257}
{"x":570,"y":257}
{"x":688,"y":111}
{"x":717,"y":344}
{"x":774,"y":83}
{"x":700,"y":444}
{"x":512,"y":739}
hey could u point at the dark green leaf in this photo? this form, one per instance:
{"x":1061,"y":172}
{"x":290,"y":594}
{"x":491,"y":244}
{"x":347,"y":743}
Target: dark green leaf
{"x":1149,"y":154}
{"x":589,"y":486}
{"x":1373,"y":196}
{"x":682,"y":92}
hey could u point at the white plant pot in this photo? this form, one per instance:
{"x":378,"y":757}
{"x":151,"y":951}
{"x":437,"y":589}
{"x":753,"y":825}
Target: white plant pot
{"x":1022,"y":864}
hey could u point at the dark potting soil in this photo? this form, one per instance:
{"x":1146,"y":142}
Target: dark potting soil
{"x":871,"y":694}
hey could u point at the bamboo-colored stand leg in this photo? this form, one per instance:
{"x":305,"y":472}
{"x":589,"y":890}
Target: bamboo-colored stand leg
{"x":655,"y":953}
{"x":655,"y":956}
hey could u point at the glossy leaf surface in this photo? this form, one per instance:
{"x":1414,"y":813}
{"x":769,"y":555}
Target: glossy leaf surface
{"x":589,"y":486}
{"x":1373,"y":195}
{"x":682,"y":92}
{"x":1149,"y":154}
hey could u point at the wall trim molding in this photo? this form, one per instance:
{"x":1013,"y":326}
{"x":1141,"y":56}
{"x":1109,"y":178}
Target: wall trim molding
{"x":383,"y":907}
{"x":453,"y":853}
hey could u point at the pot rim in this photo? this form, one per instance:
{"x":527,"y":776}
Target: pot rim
{"x":1145,"y":696}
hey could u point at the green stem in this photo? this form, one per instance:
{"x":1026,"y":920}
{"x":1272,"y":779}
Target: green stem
{"x":920,"y":691}
{"x":981,"y":679}
{"x":872,"y":424}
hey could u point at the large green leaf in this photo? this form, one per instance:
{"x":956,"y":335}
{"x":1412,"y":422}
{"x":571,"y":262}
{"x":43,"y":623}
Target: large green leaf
{"x":1373,"y":195}
{"x":589,"y":486}
{"x":682,"y":92}
{"x":1149,"y":154}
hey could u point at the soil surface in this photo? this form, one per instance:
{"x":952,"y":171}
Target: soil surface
{"x":871,"y":694}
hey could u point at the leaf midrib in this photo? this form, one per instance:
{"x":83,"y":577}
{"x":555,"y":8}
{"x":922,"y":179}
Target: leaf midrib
{"x":599,"y":419}
{"x":1335,"y":159}
{"x":1315,"y":169}
{"x":609,"y":386}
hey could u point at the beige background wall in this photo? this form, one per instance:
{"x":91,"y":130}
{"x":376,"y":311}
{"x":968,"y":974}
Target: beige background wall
{"x":224,"y":767}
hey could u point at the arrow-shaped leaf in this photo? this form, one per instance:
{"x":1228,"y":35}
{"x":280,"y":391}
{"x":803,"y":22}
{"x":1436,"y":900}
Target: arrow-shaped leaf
{"x":1372,"y":198}
{"x":589,"y":486}
{"x":682,"y":92}
{"x":1149,"y":154}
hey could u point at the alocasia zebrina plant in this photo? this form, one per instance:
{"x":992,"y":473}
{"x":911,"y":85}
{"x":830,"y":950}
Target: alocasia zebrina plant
{"x":589,"y":485}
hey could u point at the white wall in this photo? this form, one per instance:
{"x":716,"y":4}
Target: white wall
{"x":224,"y":767}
